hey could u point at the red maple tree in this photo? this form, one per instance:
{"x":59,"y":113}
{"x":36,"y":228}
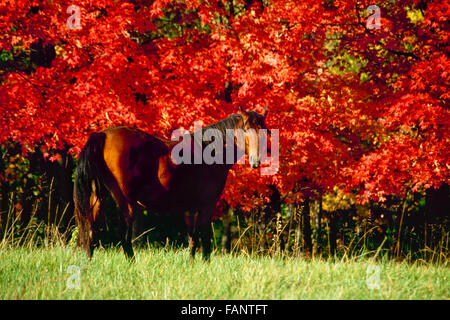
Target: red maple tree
{"x":362,"y":109}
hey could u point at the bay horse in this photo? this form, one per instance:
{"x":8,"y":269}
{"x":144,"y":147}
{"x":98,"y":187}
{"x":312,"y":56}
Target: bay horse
{"x":137,"y":170}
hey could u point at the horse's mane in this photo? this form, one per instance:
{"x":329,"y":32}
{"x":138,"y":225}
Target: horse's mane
{"x":229,"y":123}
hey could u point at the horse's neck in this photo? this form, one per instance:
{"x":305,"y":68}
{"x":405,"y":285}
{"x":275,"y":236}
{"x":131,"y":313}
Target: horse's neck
{"x":221,"y":144}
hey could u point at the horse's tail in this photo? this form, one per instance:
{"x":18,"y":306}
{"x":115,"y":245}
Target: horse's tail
{"x":91,"y":167}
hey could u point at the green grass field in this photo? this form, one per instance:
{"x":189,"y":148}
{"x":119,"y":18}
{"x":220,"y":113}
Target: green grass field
{"x":168,"y":274}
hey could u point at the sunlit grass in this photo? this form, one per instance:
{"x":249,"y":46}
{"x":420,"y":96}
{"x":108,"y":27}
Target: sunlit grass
{"x":45,"y":273}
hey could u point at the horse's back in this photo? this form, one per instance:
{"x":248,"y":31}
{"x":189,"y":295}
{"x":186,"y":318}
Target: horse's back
{"x":134,"y":159}
{"x":141,"y":165}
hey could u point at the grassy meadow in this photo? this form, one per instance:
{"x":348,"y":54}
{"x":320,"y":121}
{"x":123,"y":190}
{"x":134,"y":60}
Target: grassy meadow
{"x":62,"y":272}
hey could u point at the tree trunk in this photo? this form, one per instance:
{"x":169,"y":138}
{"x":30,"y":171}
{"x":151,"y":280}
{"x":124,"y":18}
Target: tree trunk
{"x":333,"y":233}
{"x":297,"y":228}
{"x":317,"y":224}
{"x":307,"y":227}
{"x":400,"y":218}
{"x":3,"y":209}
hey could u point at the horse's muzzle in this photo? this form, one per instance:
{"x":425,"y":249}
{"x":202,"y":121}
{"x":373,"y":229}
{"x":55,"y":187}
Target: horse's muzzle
{"x":255,"y":165}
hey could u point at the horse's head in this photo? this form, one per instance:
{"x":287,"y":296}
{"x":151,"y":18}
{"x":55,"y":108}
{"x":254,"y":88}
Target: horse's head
{"x":253,"y":122}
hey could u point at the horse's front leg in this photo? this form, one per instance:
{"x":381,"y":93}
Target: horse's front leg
{"x":205,"y":218}
{"x":191,"y":224}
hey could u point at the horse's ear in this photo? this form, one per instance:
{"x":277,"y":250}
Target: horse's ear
{"x":242,"y":111}
{"x":264,"y":113}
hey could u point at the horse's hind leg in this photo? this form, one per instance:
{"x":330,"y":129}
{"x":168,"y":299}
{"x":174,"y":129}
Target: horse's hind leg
{"x":84,"y":232}
{"x":126,"y":230}
{"x":127,"y":240}
{"x":93,"y":225}
{"x":125,"y":223}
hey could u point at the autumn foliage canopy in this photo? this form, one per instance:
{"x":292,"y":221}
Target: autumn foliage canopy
{"x":360,"y":108}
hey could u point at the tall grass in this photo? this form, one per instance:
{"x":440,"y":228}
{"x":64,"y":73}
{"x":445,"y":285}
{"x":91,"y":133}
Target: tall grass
{"x":287,"y":234}
{"x":158,"y":273}
{"x":247,"y":239}
{"x":35,"y":233}
{"x":42,"y":263}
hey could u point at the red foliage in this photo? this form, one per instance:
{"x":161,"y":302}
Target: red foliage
{"x":379,"y":129}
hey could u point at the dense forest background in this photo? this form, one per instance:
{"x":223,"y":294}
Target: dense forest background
{"x":360,"y":99}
